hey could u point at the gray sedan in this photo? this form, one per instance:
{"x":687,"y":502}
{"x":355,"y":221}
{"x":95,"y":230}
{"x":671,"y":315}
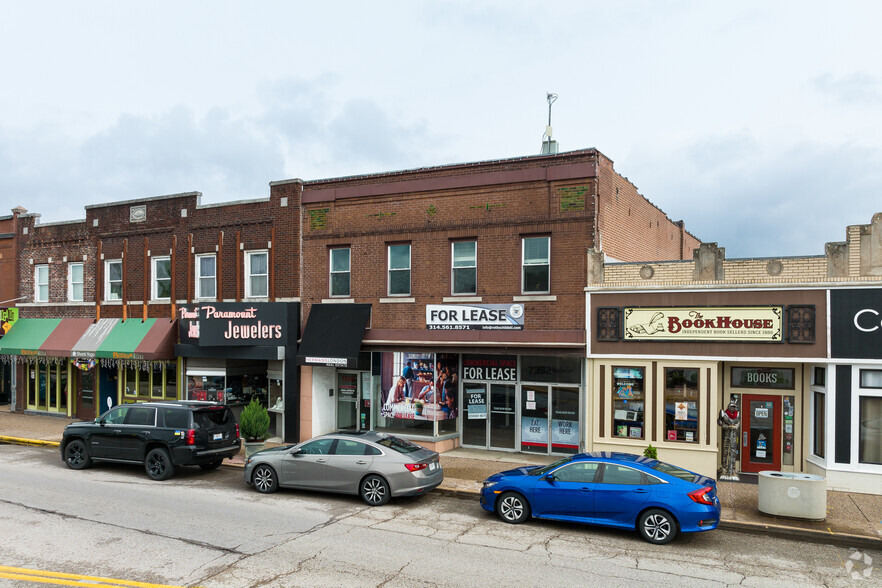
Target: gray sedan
{"x":374,"y":465}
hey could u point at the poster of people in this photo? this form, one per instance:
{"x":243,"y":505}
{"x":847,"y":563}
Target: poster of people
{"x":425,"y":389}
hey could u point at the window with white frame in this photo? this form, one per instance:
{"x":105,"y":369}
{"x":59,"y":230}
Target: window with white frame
{"x":206,"y":276}
{"x":340,"y":271}
{"x":536,"y":255}
{"x":256,"y":274}
{"x":464,"y":267}
{"x":41,"y":283}
{"x":399,"y":270}
{"x":75,"y":282}
{"x":870,"y":417}
{"x":113,"y":279}
{"x":161,"y":283}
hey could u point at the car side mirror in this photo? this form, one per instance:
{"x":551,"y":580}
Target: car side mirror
{"x":549,"y":478}
{"x":295,"y":451}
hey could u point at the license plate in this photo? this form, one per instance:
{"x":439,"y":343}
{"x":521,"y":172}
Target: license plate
{"x":433,"y":466}
{"x":217,"y":437}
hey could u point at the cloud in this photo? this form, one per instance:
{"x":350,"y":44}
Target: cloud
{"x":853,"y":89}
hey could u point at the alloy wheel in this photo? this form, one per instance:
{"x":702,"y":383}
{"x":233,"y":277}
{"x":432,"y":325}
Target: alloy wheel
{"x":511,"y":508}
{"x":657,"y":527}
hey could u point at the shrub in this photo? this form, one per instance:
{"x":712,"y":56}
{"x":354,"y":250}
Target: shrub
{"x":254,"y":422}
{"x":650,"y":452}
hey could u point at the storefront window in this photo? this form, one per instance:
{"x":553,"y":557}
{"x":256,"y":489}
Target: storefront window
{"x":819,"y":427}
{"x":681,"y":404}
{"x":870,"y":436}
{"x":628,"y":402}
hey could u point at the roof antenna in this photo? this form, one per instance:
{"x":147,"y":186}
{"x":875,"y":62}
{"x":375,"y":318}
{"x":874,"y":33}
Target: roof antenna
{"x":549,"y":147}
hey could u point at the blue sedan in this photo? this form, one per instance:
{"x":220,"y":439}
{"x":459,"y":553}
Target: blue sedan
{"x":609,"y":489}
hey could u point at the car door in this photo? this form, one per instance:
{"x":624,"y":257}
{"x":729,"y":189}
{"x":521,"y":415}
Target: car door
{"x":619,"y":494}
{"x":104,"y":438}
{"x":306,"y":466}
{"x":346,"y":465}
{"x":137,"y":429}
{"x":570,"y":493}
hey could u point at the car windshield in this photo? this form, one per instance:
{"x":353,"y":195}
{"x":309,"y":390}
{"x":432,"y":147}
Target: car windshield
{"x":549,"y":467}
{"x":399,"y":445}
{"x":673,"y":470}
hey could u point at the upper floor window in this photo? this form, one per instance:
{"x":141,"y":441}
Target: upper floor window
{"x":464,"y":264}
{"x":161,"y":278}
{"x":399,"y":270}
{"x":113,"y":279}
{"x":206,"y":276}
{"x":340,"y":272}
{"x":75,"y":282}
{"x":256,"y":274}
{"x":41,"y":283}
{"x":536,"y":265}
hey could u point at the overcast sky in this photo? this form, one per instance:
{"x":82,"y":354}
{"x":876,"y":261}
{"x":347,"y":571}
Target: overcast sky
{"x":756,"y":122}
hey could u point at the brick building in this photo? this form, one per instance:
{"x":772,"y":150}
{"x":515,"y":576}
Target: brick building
{"x":102,"y":301}
{"x":465,"y":284}
{"x":794,"y":344}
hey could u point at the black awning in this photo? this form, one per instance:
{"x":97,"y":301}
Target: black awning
{"x":333,"y":333}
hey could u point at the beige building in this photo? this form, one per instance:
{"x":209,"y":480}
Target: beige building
{"x":796,"y":342}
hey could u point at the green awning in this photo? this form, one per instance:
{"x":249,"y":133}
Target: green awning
{"x":136,"y":339}
{"x":26,"y":336}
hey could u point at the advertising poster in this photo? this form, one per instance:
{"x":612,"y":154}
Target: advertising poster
{"x":476,"y":402}
{"x":564,"y":433}
{"x":424,"y":390}
{"x":534,"y":431}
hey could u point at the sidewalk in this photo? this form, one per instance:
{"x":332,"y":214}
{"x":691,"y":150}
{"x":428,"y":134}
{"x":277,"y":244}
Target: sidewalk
{"x":853,"y":519}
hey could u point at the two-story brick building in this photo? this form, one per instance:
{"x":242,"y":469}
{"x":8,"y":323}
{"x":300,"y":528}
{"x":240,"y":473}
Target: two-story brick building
{"x":447,"y":303}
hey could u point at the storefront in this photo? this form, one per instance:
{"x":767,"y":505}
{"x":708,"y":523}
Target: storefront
{"x":664,"y":365}
{"x":845,"y":412}
{"x":81,"y":367}
{"x":8,"y":316}
{"x":443,"y":391}
{"x":235,"y":352}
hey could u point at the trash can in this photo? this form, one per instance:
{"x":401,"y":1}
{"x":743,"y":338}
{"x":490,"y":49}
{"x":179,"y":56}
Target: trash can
{"x":786,"y":494}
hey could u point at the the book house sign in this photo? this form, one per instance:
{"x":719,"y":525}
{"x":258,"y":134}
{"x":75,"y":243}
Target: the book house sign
{"x":704,"y":323}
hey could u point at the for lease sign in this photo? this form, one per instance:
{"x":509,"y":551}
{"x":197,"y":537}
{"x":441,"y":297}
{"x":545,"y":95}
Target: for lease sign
{"x":475,"y":316}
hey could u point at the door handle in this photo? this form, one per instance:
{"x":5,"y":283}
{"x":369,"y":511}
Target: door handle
{"x":641,"y":491}
{"x":586,"y":489}
{"x":321,"y":461}
{"x":361,"y":462}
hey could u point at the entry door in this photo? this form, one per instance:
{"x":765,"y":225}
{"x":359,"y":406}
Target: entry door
{"x":474,"y":424}
{"x":85,"y":407}
{"x":107,"y":386}
{"x":347,"y":401}
{"x":503,"y":407}
{"x":549,"y":420}
{"x":760,"y":433}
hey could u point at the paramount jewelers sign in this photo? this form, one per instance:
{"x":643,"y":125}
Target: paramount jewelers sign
{"x":717,"y":323}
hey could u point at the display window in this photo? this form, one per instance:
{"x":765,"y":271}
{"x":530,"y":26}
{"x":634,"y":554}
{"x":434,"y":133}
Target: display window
{"x":870,"y":417}
{"x":155,"y":381}
{"x":681,"y":404}
{"x":628,"y":402}
{"x":418,"y":393}
{"x":46,"y":387}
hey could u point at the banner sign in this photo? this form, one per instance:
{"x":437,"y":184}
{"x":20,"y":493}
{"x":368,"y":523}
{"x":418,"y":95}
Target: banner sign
{"x":234,"y":324}
{"x":856,"y":323}
{"x":8,"y":316}
{"x":705,"y":323}
{"x":505,"y":317}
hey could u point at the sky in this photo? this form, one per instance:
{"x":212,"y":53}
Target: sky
{"x":756,"y":122}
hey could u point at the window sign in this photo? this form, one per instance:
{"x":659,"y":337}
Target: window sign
{"x":552,"y":369}
{"x":534,"y":431}
{"x":628,"y":400}
{"x":476,"y":398}
{"x":565,"y":433}
{"x":498,"y":368}
{"x":763,"y":377}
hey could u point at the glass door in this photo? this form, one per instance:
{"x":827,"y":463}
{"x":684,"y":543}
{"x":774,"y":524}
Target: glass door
{"x":502,"y":416}
{"x":549,"y":419}
{"x":474,"y":424}
{"x":347,"y":401}
{"x":565,"y":420}
{"x":534,"y":419}
{"x":760,"y":433}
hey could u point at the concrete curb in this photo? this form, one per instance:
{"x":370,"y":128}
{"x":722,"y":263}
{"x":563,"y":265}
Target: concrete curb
{"x":23,"y":441}
{"x":812,"y":535}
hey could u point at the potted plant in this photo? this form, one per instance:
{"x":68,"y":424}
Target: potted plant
{"x":254,"y":425}
{"x":650,"y":452}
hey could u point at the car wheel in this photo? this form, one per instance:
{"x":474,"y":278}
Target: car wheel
{"x":159,"y":465}
{"x":657,"y":526}
{"x":211,"y":466}
{"x":264,"y":479}
{"x":76,"y":456}
{"x":375,"y":491}
{"x":513,"y":508}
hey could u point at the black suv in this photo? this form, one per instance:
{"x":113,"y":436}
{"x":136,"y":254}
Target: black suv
{"x":161,"y":435}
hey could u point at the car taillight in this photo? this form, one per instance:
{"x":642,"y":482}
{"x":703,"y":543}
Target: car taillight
{"x":191,"y":437}
{"x":415,"y":467}
{"x":237,"y":432}
{"x":703,"y":495}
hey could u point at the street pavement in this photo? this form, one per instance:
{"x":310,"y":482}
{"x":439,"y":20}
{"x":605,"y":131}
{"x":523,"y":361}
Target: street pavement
{"x":853,"y":519}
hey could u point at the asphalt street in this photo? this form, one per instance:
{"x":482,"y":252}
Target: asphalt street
{"x":210,"y":529}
